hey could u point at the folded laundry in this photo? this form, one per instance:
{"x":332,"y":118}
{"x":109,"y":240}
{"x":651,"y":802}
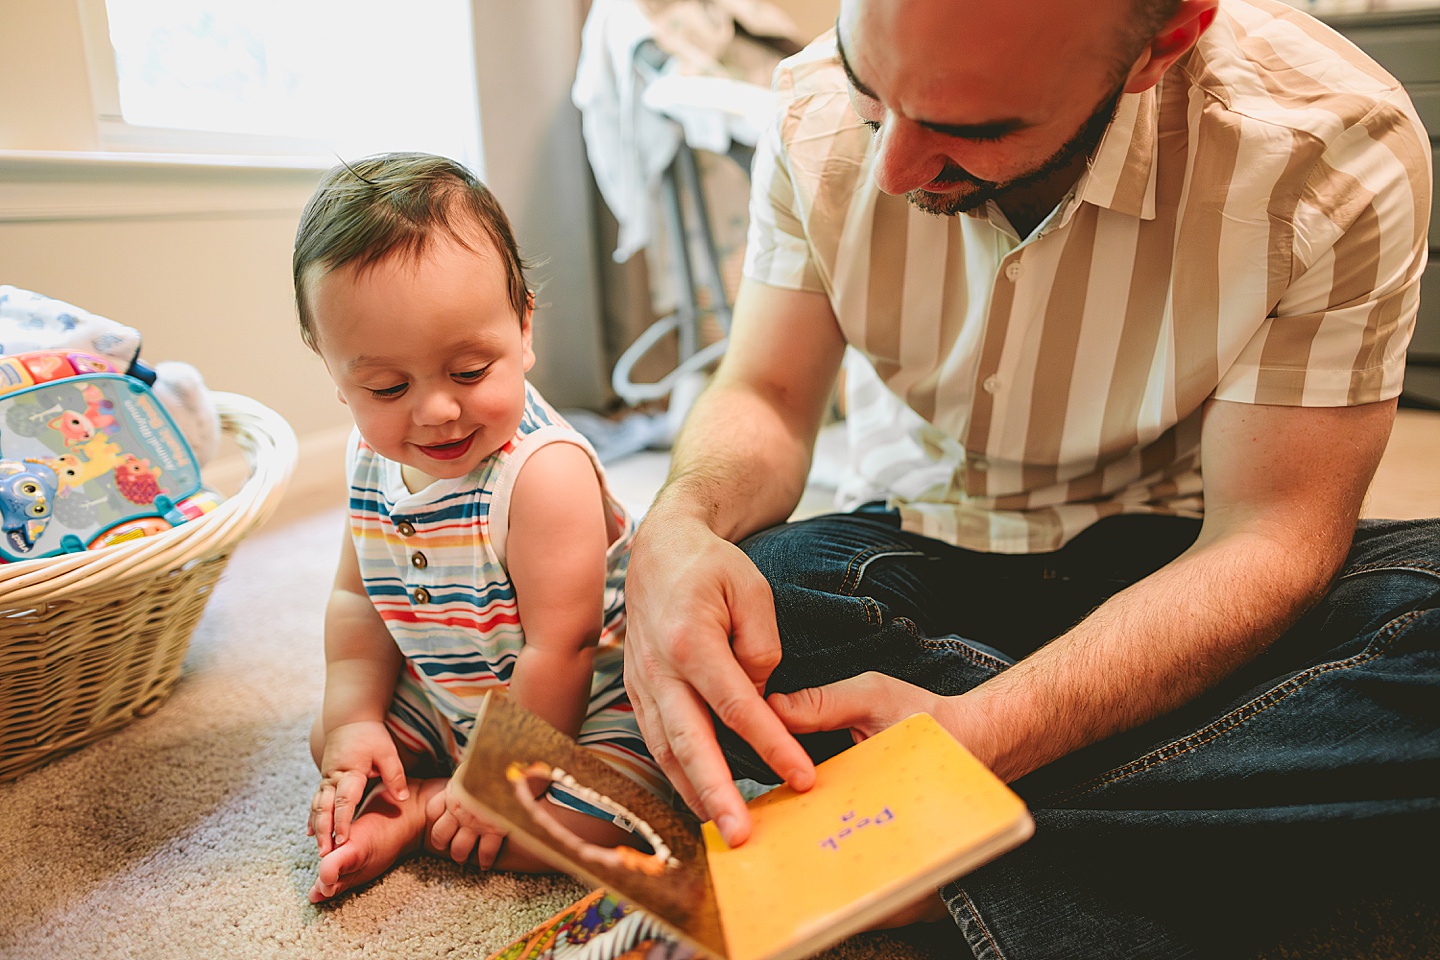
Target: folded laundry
{"x":31,"y":322}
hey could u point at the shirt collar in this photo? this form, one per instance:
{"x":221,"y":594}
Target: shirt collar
{"x":1121,"y":175}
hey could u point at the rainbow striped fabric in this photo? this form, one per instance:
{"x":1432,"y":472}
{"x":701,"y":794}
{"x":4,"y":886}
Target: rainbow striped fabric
{"x":433,"y":563}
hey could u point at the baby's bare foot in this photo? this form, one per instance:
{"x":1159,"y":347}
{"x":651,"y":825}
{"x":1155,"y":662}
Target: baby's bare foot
{"x":383,"y":833}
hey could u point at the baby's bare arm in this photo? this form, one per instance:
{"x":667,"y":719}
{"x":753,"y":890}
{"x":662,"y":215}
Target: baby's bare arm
{"x":361,"y":664}
{"x":555,"y":555}
{"x":556,"y":560}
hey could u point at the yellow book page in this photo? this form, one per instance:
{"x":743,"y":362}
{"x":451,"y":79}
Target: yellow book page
{"x":895,"y":816}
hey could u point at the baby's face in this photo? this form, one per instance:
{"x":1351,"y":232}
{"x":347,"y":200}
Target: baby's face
{"x":427,"y":354}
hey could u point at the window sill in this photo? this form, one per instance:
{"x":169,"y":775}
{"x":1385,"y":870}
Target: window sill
{"x":46,"y":185}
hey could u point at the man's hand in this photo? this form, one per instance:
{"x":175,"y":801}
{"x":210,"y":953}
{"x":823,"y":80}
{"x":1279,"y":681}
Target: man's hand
{"x":456,"y":830}
{"x":701,"y":632}
{"x":871,"y":702}
{"x":354,"y":752}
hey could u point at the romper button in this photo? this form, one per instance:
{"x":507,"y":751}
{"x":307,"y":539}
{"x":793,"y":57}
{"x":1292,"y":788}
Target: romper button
{"x":406,"y":530}
{"x":991,"y":384}
{"x":422,"y":595}
{"x":1013,"y":270}
{"x":979,"y":464}
{"x":419,"y":562}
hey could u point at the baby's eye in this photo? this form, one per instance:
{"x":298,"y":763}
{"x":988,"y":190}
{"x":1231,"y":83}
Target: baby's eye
{"x":389,"y":392}
{"x":470,"y":376}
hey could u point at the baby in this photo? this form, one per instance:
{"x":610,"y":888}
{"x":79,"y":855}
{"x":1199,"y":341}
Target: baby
{"x":483,"y":549}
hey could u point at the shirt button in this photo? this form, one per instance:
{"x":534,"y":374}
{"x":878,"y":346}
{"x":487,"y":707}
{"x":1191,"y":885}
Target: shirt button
{"x":990,"y":384}
{"x":422,"y":595}
{"x":419,"y":562}
{"x":405,"y":529}
{"x":1013,"y":270}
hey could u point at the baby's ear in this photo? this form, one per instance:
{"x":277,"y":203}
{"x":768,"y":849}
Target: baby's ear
{"x":341,"y":397}
{"x":527,"y":331}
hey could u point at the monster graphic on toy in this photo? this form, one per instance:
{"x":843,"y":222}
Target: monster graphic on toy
{"x":27,"y":497}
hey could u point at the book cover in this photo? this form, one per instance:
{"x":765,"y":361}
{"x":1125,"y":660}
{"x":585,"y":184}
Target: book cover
{"x":896,"y":815}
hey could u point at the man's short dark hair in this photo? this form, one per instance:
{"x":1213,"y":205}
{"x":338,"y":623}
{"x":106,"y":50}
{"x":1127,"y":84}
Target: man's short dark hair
{"x":365,"y":211}
{"x":1145,"y":19}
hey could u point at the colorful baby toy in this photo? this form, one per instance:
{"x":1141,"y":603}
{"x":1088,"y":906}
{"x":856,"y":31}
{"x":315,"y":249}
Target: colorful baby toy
{"x":88,"y":458}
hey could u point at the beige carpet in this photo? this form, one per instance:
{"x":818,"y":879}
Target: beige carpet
{"x":183,"y":835}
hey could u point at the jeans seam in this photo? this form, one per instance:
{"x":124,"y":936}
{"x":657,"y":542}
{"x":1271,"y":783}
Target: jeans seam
{"x":1232,"y":720}
{"x":874,"y":616}
{"x":1416,"y":566}
{"x":980,"y":924}
{"x":977,"y":657}
{"x":853,"y":574}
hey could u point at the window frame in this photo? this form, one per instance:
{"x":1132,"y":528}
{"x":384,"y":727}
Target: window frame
{"x":117,"y":135}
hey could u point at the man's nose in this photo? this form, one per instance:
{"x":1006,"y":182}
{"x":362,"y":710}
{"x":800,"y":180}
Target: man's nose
{"x":905,"y":158}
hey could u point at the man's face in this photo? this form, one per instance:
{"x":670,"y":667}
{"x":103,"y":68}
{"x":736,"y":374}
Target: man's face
{"x":973,"y":101}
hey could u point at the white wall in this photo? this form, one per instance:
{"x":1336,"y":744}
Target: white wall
{"x":197,"y":256}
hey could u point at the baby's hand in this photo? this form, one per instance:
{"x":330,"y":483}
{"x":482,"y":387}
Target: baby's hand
{"x":354,"y":752}
{"x":458,"y":830}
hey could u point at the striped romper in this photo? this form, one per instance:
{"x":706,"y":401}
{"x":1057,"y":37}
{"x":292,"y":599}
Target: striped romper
{"x":433,"y":563}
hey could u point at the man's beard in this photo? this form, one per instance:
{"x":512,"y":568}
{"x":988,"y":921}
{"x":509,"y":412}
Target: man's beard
{"x":978,"y":192}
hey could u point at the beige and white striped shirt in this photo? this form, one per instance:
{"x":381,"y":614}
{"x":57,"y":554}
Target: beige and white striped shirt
{"x":1252,"y":229}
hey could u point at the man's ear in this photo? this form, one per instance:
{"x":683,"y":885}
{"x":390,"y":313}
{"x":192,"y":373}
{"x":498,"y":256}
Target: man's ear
{"x":527,"y":332}
{"x":1176,"y":37}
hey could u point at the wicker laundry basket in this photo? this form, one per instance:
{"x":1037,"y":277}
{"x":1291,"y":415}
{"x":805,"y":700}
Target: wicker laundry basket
{"x":90,"y":641}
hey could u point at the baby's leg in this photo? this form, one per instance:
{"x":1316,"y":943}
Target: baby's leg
{"x":515,"y":857}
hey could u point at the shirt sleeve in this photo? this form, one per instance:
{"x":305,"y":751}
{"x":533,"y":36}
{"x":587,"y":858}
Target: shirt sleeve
{"x":777,"y":250}
{"x":1338,"y":333}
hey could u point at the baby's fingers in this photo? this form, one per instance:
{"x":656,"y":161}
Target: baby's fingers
{"x":392,"y":774}
{"x":349,"y":791}
{"x":322,"y":818}
{"x":443,"y":831}
{"x":463,"y":844}
{"x":489,"y":848}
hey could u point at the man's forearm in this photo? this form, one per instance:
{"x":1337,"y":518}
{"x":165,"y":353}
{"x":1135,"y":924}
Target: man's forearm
{"x":737,"y":465}
{"x":1148,"y":650}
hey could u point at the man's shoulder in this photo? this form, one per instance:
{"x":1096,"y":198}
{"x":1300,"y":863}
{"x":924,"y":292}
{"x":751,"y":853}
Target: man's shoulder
{"x":817,"y":124}
{"x":814,"y":70}
{"x":1265,"y":62}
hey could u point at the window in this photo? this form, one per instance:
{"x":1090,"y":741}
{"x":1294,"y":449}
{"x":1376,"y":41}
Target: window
{"x":310,"y":77}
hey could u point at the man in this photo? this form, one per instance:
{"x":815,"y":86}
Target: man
{"x":1091,"y":252}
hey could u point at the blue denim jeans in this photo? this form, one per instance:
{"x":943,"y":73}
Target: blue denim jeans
{"x":1308,"y":779}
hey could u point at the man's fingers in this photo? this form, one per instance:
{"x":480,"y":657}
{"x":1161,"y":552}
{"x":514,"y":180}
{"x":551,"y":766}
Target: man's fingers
{"x":736,"y":704}
{"x":754,"y":637}
{"x":689,"y":735}
{"x":865,"y":704}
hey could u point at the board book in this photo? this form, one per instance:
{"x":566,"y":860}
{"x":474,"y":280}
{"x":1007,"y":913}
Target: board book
{"x":888,"y":820}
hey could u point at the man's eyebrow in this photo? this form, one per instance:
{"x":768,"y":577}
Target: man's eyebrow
{"x":993,"y":130}
{"x":990,"y":130}
{"x":863,"y":90}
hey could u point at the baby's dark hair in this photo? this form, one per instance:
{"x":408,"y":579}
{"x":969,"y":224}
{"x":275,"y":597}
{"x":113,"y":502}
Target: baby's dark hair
{"x":363,"y":212}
